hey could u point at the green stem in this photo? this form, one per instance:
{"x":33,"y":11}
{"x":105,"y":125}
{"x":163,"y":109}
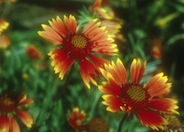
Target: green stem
{"x":61,"y":91}
{"x":122,"y":121}
{"x":95,"y":103}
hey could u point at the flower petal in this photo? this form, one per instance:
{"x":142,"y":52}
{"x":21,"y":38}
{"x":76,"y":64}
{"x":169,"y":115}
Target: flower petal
{"x":14,"y":127}
{"x":111,"y":88}
{"x":117,"y":72}
{"x":22,"y":99}
{"x":25,"y":117}
{"x":151,"y":119}
{"x":112,"y":102}
{"x":61,"y":62}
{"x":70,"y":23}
{"x":26,"y":102}
{"x":75,"y":113}
{"x":157,"y":85}
{"x":88,"y":73}
{"x":90,"y":27}
{"x":96,"y":4}
{"x":57,"y":55}
{"x":58,"y":25}
{"x":98,"y":62}
{"x":164,"y":104}
{"x":158,"y":77}
{"x":50,"y":35}
{"x":4,"y":123}
{"x":102,"y":42}
{"x":3,"y":25}
{"x":136,"y":70}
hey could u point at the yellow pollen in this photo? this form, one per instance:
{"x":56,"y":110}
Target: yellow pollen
{"x":79,"y":41}
{"x":3,"y":130}
{"x":8,"y":101}
{"x":136,"y":93}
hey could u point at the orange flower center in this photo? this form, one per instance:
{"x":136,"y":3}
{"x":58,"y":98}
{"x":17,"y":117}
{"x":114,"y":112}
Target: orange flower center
{"x":79,"y":41}
{"x":7,"y":104}
{"x":136,"y":93}
{"x":8,"y":101}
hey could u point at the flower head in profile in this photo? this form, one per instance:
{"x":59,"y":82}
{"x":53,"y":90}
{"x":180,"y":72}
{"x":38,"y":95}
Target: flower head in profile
{"x":157,"y":48}
{"x":33,"y":52}
{"x":84,"y":46}
{"x":77,"y":119}
{"x":101,"y":9}
{"x":9,"y":107}
{"x":147,"y":100}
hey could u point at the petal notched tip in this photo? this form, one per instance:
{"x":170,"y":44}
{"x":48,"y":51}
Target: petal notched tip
{"x":44,"y":26}
{"x":118,"y":61}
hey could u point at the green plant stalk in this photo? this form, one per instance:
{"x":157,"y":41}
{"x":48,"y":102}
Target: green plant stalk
{"x":122,"y":121}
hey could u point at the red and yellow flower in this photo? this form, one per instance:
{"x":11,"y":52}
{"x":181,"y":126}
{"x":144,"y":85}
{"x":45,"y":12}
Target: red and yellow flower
{"x":33,"y":52}
{"x":106,"y":15}
{"x":3,"y":25}
{"x":157,"y":48}
{"x":147,"y":101}
{"x":10,"y":106}
{"x":77,"y":119}
{"x":4,"y":41}
{"x":79,"y":45}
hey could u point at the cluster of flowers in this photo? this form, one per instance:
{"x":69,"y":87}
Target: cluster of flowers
{"x":85,"y":46}
{"x":10,"y":104}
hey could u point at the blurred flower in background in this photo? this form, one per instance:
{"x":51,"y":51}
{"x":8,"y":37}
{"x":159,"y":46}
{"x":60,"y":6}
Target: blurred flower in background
{"x":11,"y":106}
{"x":3,"y":25}
{"x":77,"y":119}
{"x":157,"y":49}
{"x":174,"y":123}
{"x":4,"y":41}
{"x":102,"y":10}
{"x":134,"y":97}
{"x":84,"y":46}
{"x":33,"y":52}
{"x":107,"y":16}
{"x":97,"y":124}
{"x":79,"y":122}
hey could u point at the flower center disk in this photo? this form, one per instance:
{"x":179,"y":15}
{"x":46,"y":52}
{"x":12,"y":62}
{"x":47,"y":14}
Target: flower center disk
{"x":8,"y":102}
{"x":79,"y":41}
{"x":136,"y":93}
